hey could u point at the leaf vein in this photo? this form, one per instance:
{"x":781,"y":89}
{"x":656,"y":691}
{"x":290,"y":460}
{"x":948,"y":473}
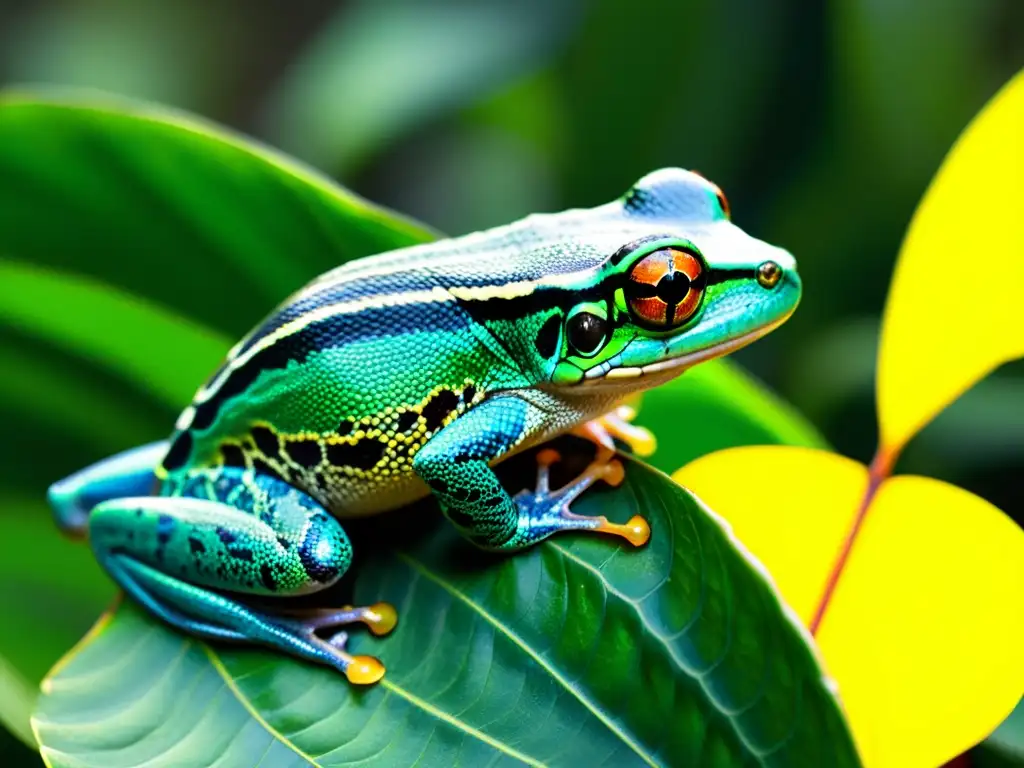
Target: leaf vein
{"x":540,"y":660}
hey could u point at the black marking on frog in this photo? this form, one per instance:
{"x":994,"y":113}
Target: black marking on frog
{"x":226,"y":537}
{"x":179,"y":452}
{"x":233,"y":455}
{"x":305,"y":453}
{"x":407,"y":420}
{"x":438,"y":408}
{"x":267,"y":577}
{"x":266,"y":442}
{"x":362,"y":454}
{"x":548,"y":335}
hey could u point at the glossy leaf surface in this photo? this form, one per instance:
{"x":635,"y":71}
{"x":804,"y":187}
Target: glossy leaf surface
{"x":85,"y":317}
{"x":577,"y":652}
{"x":948,"y":324}
{"x":173,"y":209}
{"x":922,"y":633}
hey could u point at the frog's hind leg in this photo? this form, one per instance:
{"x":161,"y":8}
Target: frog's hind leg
{"x":129,"y":473}
{"x":191,"y":559}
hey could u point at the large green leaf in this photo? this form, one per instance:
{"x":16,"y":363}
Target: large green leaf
{"x":580,"y":651}
{"x":173,"y":209}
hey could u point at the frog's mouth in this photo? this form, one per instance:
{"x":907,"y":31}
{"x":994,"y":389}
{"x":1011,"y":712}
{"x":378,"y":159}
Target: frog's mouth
{"x":673,"y":366}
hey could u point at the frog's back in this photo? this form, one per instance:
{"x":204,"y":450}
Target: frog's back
{"x":340,"y":386}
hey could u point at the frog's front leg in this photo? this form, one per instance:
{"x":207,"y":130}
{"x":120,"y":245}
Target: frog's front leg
{"x":183,"y":556}
{"x":455,"y":463}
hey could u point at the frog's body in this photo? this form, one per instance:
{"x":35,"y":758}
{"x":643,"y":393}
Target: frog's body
{"x":414,"y":371}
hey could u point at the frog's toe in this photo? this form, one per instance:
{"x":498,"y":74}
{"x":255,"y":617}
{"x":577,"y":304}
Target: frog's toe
{"x":380,"y":618}
{"x":617,"y":425}
{"x":364,"y":670}
{"x":339,"y":640}
{"x":361,"y":670}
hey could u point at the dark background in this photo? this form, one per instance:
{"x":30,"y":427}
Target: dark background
{"x":822,"y":121}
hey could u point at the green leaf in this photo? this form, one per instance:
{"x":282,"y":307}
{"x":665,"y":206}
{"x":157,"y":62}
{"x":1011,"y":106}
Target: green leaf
{"x":577,"y":652}
{"x":17,"y":700}
{"x":173,"y":209}
{"x":335,"y":110}
{"x":698,"y":111}
{"x":1005,"y":747}
{"x":718,"y":405}
{"x":106,"y":326}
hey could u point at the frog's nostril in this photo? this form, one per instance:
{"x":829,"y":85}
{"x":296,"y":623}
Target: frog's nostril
{"x":769,"y":273}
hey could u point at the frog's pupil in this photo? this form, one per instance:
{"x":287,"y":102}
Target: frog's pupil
{"x":673,"y":287}
{"x":586,"y":332}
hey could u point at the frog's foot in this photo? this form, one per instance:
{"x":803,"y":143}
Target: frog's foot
{"x":617,"y":424}
{"x":543,"y":511}
{"x":363,"y":670}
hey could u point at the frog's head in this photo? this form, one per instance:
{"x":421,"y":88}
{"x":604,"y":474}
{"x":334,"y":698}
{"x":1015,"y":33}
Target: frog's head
{"x":678,"y":283}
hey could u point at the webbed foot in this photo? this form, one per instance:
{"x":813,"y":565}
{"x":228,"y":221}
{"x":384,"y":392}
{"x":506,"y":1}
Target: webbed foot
{"x":543,"y":511}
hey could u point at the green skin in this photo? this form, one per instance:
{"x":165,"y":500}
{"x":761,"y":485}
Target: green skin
{"x":413,"y":372}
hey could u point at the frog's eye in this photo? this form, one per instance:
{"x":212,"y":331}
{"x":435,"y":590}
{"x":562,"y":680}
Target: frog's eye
{"x":586,"y":331}
{"x":665,"y":288}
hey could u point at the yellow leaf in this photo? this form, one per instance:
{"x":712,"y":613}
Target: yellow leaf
{"x":923,"y":631}
{"x":953,"y":313}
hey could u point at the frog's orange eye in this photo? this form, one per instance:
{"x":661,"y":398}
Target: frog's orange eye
{"x":665,"y":288}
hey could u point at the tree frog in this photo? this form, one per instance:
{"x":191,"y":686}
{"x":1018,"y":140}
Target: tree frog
{"x":411,"y":373}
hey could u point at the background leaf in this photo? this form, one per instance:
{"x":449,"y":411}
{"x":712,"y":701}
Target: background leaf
{"x":718,"y":405}
{"x":928,"y":355}
{"x":611,"y":645}
{"x":333,"y":110}
{"x":90,"y":321}
{"x":173,"y":209}
{"x":922,"y":633}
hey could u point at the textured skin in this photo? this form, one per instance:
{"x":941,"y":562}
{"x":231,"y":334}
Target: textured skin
{"x":229,"y":529}
{"x":415,"y":371}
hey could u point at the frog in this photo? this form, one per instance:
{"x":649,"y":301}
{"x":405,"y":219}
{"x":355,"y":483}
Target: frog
{"x":412,"y":374}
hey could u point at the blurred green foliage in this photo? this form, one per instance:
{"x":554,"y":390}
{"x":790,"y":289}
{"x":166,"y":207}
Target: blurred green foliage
{"x":822,"y":121}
